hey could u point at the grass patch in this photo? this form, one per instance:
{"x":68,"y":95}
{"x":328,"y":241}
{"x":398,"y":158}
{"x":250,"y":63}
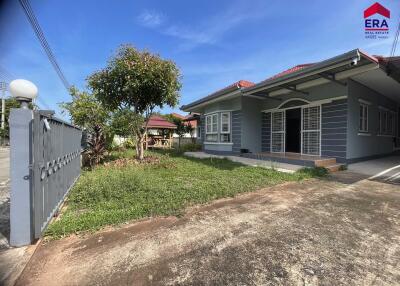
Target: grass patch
{"x":114,"y":193}
{"x":314,"y":172}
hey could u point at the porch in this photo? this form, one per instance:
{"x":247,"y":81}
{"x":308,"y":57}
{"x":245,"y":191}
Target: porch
{"x":296,"y":159}
{"x":281,"y":167}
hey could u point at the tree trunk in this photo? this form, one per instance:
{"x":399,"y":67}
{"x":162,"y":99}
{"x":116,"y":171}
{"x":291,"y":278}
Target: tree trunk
{"x":179,"y":142}
{"x":139,"y":149}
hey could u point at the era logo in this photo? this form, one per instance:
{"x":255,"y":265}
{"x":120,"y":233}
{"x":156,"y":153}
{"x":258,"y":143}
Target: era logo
{"x":375,"y":23}
{"x":376,"y":18}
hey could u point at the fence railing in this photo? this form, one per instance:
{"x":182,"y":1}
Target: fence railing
{"x":45,"y":163}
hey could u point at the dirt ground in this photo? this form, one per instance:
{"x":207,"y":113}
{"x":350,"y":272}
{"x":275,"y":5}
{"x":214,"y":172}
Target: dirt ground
{"x":337,"y":231}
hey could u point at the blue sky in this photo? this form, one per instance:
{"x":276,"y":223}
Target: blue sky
{"x":215,"y":43}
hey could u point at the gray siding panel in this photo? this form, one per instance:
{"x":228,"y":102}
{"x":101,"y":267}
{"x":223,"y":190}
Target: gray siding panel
{"x":266,"y":132}
{"x":236,"y":130}
{"x":334,"y":129}
{"x":332,"y":136}
{"x":202,"y":129}
{"x":333,"y":125}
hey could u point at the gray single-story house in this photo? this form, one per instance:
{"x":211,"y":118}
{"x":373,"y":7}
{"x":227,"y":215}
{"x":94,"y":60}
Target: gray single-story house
{"x":342,"y":109}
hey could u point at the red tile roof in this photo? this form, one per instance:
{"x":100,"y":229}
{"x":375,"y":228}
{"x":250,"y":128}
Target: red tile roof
{"x":223,"y":91}
{"x":244,"y":83}
{"x":156,"y":121}
{"x":180,"y":116}
{"x":238,"y":84}
{"x":291,"y":70}
{"x":192,"y":122}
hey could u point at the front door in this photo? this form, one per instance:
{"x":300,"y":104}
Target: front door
{"x":293,"y":130}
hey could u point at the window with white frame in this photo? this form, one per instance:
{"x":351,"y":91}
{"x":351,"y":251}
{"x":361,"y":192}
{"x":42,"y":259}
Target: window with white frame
{"x":225,"y":135}
{"x":212,"y":127}
{"x":386,"y":122}
{"x":363,"y":123}
{"x":198,"y":132}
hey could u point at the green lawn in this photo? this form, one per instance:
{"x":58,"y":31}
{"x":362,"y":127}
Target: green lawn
{"x":114,"y":194}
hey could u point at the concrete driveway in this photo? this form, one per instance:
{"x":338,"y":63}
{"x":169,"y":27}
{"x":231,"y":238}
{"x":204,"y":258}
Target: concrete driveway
{"x":343,"y":230}
{"x":4,"y":197}
{"x":4,"y":165}
{"x":386,"y":169}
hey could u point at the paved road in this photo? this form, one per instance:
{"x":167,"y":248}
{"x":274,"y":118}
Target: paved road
{"x":344,"y":230}
{"x":4,"y":164}
{"x":4,"y":197}
{"x":385,"y":169}
{"x":12,"y":260}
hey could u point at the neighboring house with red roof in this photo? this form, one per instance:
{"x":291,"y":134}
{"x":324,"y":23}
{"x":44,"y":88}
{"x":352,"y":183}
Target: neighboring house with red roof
{"x":343,"y":109}
{"x":189,"y":119}
{"x":159,"y":122}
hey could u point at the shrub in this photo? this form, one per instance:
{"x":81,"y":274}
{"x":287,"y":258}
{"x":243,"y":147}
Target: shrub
{"x":129,"y":143}
{"x":96,"y":147}
{"x":191,"y":147}
{"x":314,"y":172}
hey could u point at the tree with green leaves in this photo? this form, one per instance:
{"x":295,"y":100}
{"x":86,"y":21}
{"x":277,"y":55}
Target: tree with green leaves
{"x":88,"y":113}
{"x":190,"y":129}
{"x":180,"y":126}
{"x":138,"y":81}
{"x":10,"y":102}
{"x":85,"y":110}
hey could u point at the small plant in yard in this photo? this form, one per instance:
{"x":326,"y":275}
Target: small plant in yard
{"x":191,"y":147}
{"x":314,"y":172}
{"x":122,"y":190}
{"x":96,"y":150}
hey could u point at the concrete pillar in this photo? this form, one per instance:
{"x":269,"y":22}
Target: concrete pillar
{"x":20,"y":160}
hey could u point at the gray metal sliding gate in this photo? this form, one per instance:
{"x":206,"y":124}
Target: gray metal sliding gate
{"x":45,"y":163}
{"x":56,"y":165}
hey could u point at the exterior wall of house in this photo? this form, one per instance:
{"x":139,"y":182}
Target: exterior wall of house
{"x":333,"y":119}
{"x":266,"y":132}
{"x":334,"y":129}
{"x":320,"y":92}
{"x":234,"y":106}
{"x":202,"y":126}
{"x":372,"y":144}
{"x":251,"y":124}
{"x":236,"y":130}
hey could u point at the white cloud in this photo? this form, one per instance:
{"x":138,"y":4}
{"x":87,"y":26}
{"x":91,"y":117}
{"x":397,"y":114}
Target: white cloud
{"x":150,"y":19}
{"x":211,"y":31}
{"x":208,"y":32}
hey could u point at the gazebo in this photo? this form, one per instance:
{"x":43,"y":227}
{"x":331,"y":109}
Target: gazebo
{"x":159,"y":132}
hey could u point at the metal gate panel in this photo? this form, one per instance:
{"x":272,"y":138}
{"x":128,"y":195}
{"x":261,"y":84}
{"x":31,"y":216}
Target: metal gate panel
{"x":311,"y":130}
{"x":56,"y":147}
{"x":278,"y":131}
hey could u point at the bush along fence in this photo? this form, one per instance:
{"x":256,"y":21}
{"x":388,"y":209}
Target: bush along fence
{"x":45,"y":163}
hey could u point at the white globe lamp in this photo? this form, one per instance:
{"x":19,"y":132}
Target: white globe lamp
{"x":24,"y":91}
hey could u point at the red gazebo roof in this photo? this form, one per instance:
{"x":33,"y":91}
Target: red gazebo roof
{"x":159,"y":122}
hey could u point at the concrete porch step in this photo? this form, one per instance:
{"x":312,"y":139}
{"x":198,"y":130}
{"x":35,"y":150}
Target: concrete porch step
{"x":334,"y":168}
{"x":325,"y":162}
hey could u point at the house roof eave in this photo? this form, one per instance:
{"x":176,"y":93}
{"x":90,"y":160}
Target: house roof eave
{"x":343,"y":59}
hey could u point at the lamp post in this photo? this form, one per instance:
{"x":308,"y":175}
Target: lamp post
{"x":20,"y":161}
{"x":24,"y":91}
